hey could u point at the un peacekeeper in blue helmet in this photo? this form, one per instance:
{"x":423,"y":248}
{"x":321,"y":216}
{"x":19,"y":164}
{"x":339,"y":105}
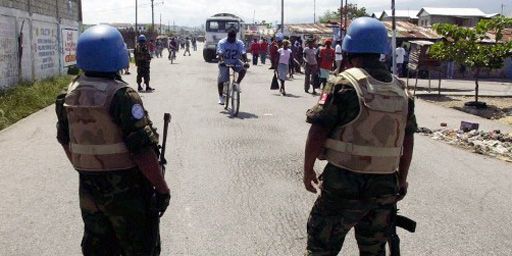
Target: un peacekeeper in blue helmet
{"x":363,"y":125}
{"x":109,"y":139}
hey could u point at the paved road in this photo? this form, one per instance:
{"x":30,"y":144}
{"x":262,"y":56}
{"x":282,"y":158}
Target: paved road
{"x":236,"y":183}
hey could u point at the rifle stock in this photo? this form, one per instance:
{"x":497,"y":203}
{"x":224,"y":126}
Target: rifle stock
{"x":401,"y":222}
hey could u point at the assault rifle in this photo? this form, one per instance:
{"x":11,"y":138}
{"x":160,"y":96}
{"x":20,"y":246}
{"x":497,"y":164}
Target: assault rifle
{"x":401,"y":222}
{"x":162,"y":160}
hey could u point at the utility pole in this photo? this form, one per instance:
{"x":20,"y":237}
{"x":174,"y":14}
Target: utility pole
{"x":160,"y":23}
{"x":152,"y":16}
{"x":282,"y":16}
{"x":502,"y":9}
{"x":393,"y":39}
{"x":136,"y":25}
{"x":314,"y":11}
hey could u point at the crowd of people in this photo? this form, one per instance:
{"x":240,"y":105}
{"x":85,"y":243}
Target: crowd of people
{"x":316,"y":59}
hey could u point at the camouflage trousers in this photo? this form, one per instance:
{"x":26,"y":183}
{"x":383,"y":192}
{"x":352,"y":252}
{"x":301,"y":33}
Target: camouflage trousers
{"x":117,"y":215}
{"x":143,"y":73}
{"x":347,"y":200}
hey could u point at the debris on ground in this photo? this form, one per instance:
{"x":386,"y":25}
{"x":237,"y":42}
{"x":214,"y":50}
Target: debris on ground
{"x":492,"y":143}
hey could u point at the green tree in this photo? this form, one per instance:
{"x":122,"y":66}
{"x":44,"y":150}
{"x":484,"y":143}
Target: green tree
{"x":471,"y":47}
{"x":352,"y":12}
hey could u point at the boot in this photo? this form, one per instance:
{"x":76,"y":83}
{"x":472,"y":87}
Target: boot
{"x":148,"y":88}
{"x":139,"y":88}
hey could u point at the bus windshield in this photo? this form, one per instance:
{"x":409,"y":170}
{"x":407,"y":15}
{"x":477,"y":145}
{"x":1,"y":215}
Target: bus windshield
{"x":221,"y":25}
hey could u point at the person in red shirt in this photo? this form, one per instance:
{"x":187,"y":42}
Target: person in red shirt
{"x":255,"y":51}
{"x":263,"y":50}
{"x":274,"y":57}
{"x":326,"y":59}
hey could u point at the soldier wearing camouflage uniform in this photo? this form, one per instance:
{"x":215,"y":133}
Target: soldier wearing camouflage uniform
{"x":363,"y":125}
{"x":109,"y":139}
{"x":142,"y":60}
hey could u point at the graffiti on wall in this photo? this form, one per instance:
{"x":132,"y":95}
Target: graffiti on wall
{"x":45,"y":49}
{"x":8,"y":52}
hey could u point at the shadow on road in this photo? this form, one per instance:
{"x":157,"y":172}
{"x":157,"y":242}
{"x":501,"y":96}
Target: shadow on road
{"x":241,"y":115}
{"x":288,"y":95}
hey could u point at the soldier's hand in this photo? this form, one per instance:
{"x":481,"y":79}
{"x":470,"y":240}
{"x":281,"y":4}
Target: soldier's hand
{"x":311,"y":181}
{"x":403,"y":190}
{"x":162,"y":202}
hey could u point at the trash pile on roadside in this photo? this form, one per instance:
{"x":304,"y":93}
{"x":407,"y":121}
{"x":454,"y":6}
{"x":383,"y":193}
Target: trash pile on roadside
{"x":493,"y":143}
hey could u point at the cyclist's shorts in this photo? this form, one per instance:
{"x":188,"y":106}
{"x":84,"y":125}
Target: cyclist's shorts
{"x":224,"y":72}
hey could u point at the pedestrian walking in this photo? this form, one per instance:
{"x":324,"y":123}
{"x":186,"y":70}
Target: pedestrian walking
{"x":143,"y":60}
{"x":263,"y":50}
{"x":194,"y":43}
{"x":255,"y":51}
{"x":109,"y":139}
{"x":363,"y":125}
{"x":127,"y":69}
{"x":298,"y":50}
{"x":187,"y":47}
{"x":339,"y":57}
{"x":400,"y":58}
{"x":284,"y":56}
{"x":311,"y":66}
{"x":326,"y":59}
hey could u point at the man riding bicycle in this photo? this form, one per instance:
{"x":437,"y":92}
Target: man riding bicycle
{"x":230,"y":50}
{"x":173,"y":47}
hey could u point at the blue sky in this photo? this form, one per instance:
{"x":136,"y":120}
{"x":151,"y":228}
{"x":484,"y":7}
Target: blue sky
{"x":194,"y":12}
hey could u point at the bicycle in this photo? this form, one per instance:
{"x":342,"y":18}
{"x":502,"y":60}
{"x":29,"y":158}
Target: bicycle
{"x":172,"y":55}
{"x":231,"y":92}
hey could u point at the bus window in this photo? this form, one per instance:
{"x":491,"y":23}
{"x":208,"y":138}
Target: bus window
{"x":212,"y":26}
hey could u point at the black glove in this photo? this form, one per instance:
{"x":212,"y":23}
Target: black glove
{"x":246,"y":65}
{"x":162,"y":202}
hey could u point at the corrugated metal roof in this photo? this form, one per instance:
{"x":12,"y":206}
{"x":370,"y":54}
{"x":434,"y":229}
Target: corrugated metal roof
{"x":411,"y":14}
{"x":377,"y":14}
{"x":458,"y":12}
{"x":316,"y":29}
{"x":409,"y":30}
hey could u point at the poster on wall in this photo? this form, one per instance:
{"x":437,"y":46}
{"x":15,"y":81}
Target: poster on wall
{"x":69,"y":42}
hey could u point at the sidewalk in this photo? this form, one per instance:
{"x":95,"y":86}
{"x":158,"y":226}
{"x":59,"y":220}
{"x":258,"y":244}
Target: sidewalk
{"x":462,"y":87}
{"x":431,"y":116}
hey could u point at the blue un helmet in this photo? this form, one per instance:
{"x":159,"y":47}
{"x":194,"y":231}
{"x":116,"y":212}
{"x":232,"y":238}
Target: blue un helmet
{"x":366,"y":35}
{"x":141,"y":39}
{"x":101,"y":49}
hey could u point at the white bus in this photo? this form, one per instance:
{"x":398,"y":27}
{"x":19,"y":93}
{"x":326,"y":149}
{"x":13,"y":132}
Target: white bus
{"x":216,"y":29}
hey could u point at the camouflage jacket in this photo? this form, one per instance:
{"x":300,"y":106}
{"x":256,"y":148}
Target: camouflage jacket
{"x":138,"y":131}
{"x":339,"y":103}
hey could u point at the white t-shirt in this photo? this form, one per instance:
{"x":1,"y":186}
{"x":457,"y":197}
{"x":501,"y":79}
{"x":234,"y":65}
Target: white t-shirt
{"x":284,"y":55}
{"x":400,"y":54}
{"x":338,"y":51}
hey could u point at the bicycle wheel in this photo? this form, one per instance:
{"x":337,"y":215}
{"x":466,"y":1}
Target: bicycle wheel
{"x":235,"y":101}
{"x":227,"y":86}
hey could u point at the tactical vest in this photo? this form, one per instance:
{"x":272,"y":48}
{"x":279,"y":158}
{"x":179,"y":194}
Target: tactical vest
{"x":96,"y":142}
{"x":372,"y":142}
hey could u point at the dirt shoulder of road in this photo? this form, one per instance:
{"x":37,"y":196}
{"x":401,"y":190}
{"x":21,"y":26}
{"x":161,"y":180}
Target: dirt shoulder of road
{"x":499,"y":108}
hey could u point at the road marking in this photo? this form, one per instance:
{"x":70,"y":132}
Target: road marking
{"x":268,"y":114}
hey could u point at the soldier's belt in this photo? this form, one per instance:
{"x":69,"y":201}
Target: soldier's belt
{"x":109,"y":149}
{"x":358,"y":150}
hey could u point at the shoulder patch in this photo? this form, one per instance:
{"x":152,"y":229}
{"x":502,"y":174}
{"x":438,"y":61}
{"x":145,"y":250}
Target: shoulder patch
{"x":137,"y":111}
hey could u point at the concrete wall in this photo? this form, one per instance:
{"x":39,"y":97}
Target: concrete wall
{"x":36,"y":41}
